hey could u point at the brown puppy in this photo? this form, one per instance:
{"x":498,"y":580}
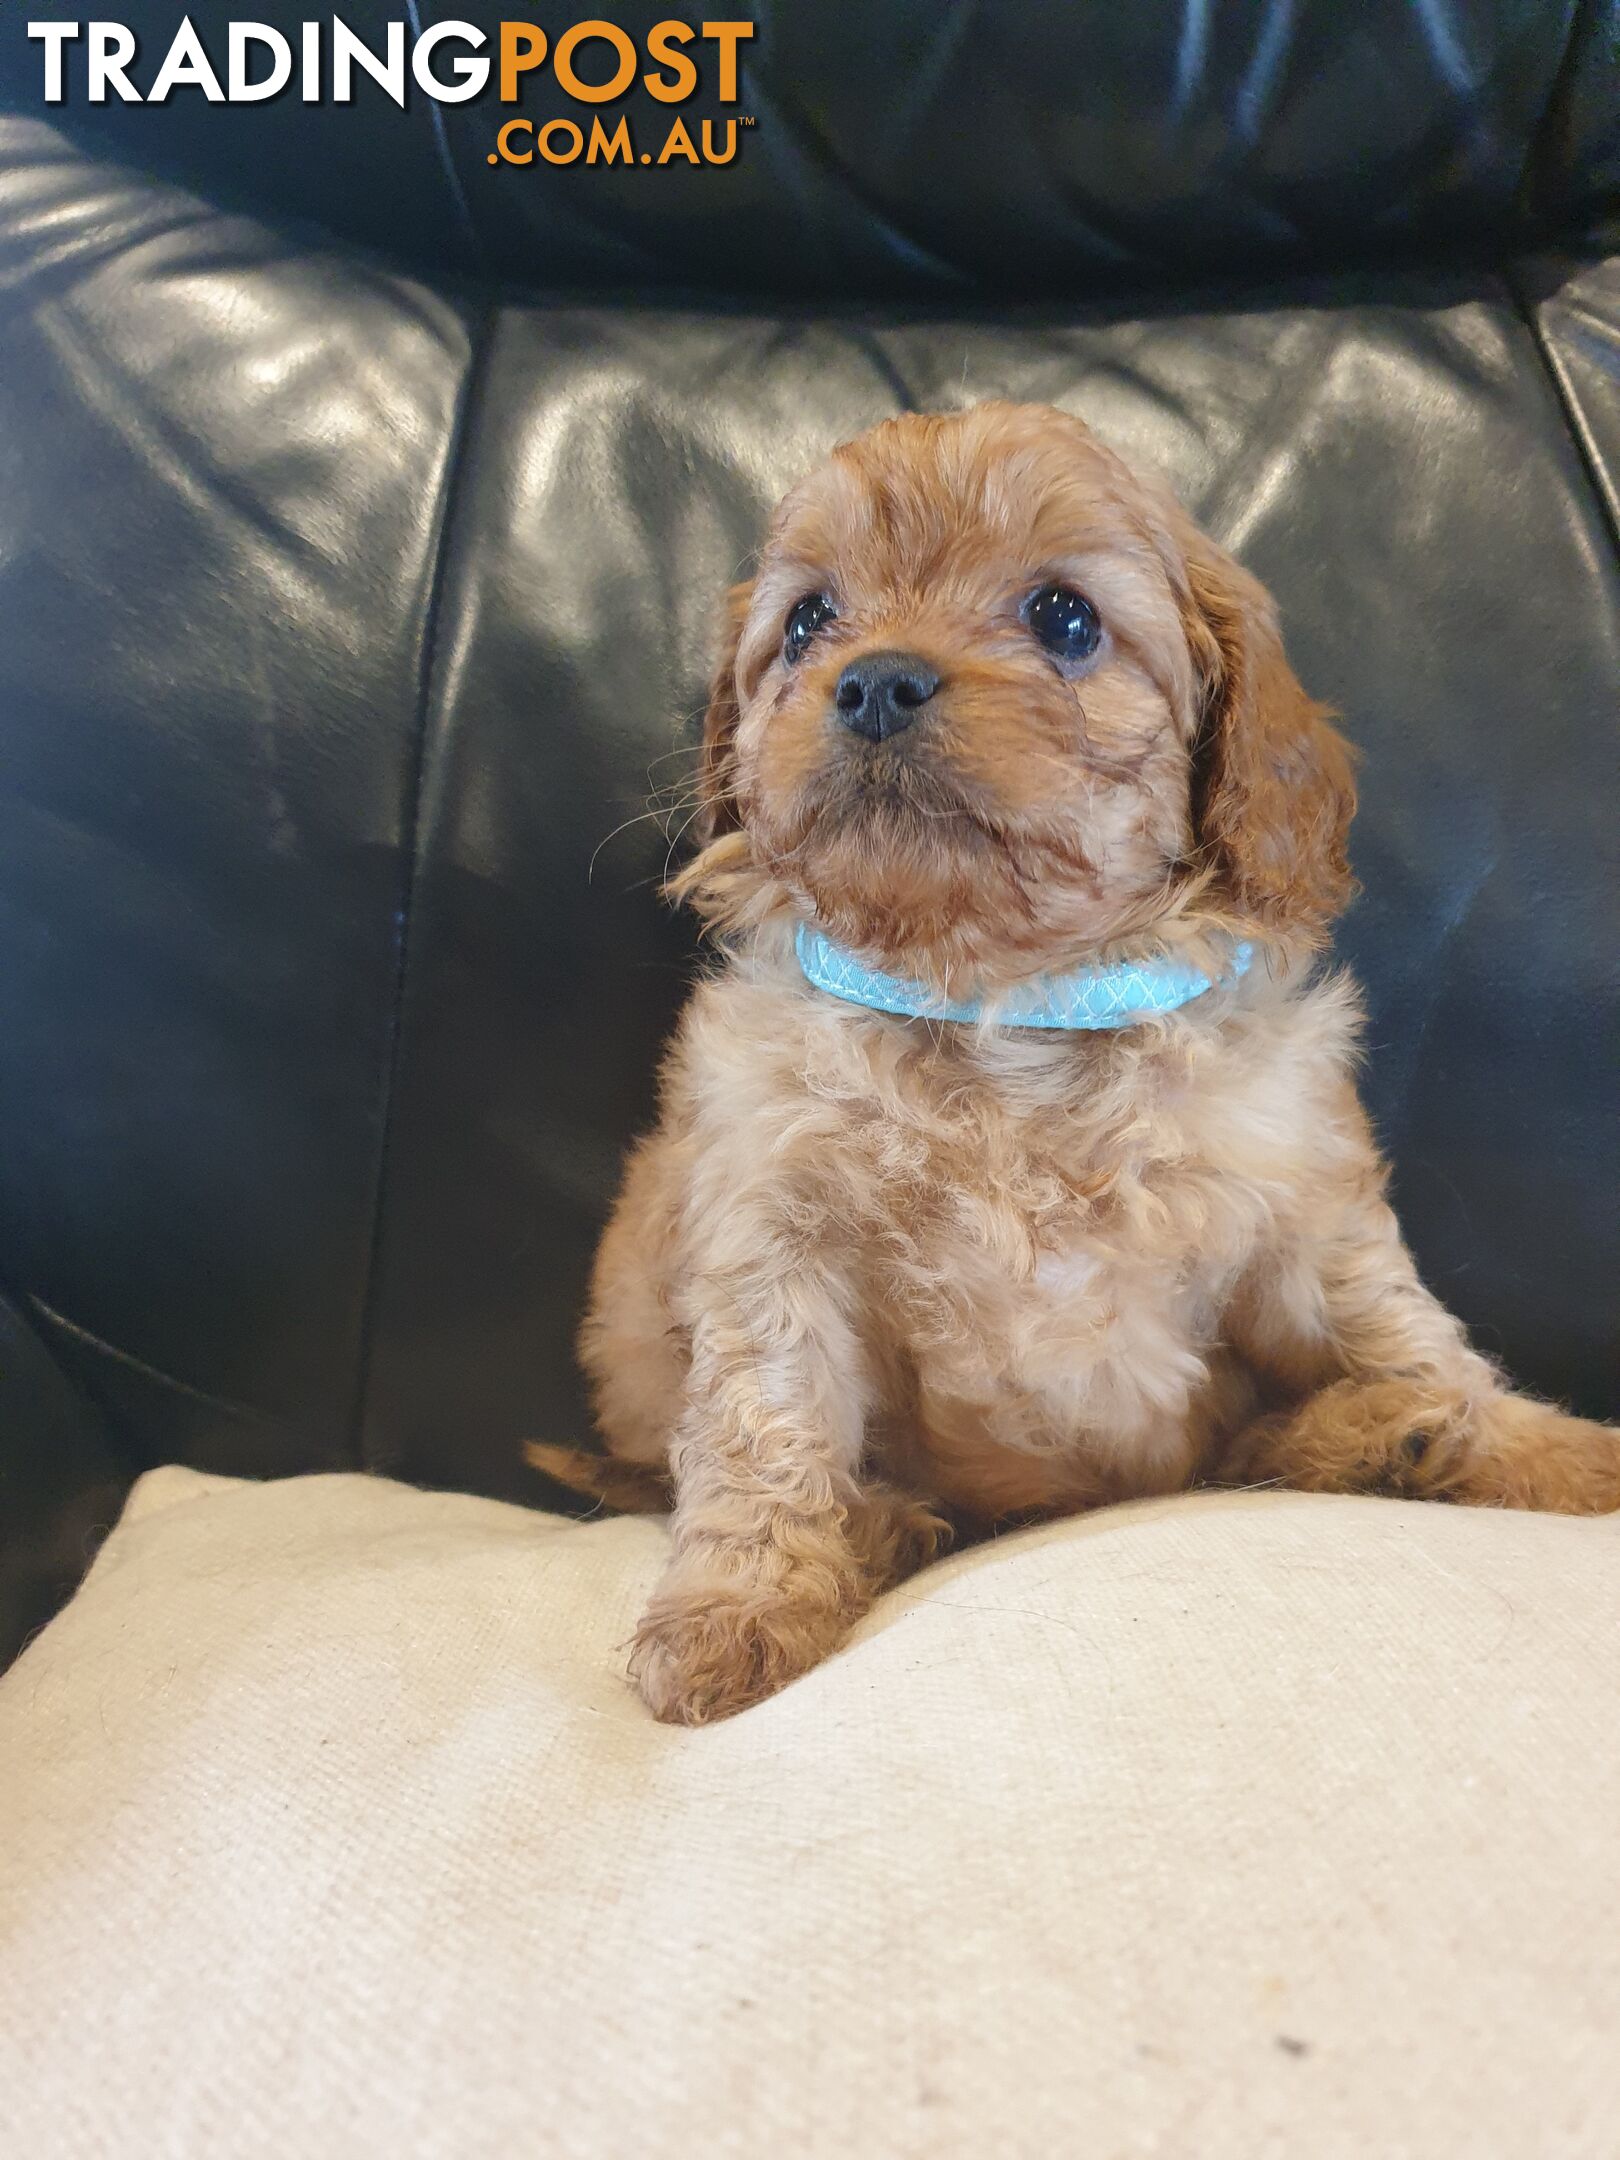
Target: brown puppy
{"x":992,"y":710}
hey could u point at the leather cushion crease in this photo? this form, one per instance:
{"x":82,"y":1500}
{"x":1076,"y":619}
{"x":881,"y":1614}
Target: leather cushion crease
{"x":1574,"y":309}
{"x":358,"y":584}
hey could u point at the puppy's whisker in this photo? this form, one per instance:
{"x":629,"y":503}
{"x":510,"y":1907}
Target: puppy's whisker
{"x":669,"y":853}
{"x":681,"y":750}
{"x":658,"y":814}
{"x":642,"y":817}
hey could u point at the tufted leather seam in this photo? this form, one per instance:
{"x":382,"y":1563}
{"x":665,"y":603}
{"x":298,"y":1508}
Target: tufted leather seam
{"x":482,"y":339}
{"x":239,"y":1412}
{"x":1569,"y":406}
{"x":1542,"y":149}
{"x":441,"y":143}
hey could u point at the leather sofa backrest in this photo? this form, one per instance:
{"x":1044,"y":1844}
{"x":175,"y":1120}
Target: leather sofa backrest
{"x":899,"y":151}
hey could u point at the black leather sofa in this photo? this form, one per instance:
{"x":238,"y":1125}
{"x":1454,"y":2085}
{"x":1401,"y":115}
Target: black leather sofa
{"x":362,"y":510}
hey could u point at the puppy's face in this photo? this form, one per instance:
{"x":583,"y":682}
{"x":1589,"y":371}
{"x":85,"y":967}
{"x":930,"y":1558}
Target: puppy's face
{"x":979,"y":709}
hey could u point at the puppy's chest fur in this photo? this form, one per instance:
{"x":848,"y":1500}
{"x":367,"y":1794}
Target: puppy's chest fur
{"x":1038,"y":1234}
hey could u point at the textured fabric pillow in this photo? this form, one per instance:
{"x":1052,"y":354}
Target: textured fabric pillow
{"x":1236,"y":1826}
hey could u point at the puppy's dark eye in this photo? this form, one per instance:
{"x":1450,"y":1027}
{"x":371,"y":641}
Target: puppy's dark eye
{"x":806,"y":619}
{"x":1064,"y":621}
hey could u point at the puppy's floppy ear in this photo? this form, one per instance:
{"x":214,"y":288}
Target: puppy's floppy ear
{"x":722,"y":881}
{"x":1274,"y":788}
{"x":717,"y":786}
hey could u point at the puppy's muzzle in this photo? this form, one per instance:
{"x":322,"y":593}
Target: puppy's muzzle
{"x":882,"y":693}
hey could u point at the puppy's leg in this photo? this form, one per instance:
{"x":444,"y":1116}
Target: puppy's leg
{"x":1394,"y":1399}
{"x":631,"y":1344}
{"x":778,"y":1548}
{"x":633,"y":1352}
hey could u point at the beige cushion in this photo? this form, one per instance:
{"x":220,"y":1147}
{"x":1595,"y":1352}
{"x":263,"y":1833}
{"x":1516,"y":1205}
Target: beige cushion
{"x":1256,"y":1825}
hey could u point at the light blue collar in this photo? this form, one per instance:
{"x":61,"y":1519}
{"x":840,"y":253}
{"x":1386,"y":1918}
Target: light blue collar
{"x":1098,"y":997}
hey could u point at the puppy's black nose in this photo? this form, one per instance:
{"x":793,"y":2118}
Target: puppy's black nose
{"x":883,"y":692}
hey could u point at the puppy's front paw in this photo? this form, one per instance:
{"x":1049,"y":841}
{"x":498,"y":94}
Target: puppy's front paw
{"x":698,"y":1656}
